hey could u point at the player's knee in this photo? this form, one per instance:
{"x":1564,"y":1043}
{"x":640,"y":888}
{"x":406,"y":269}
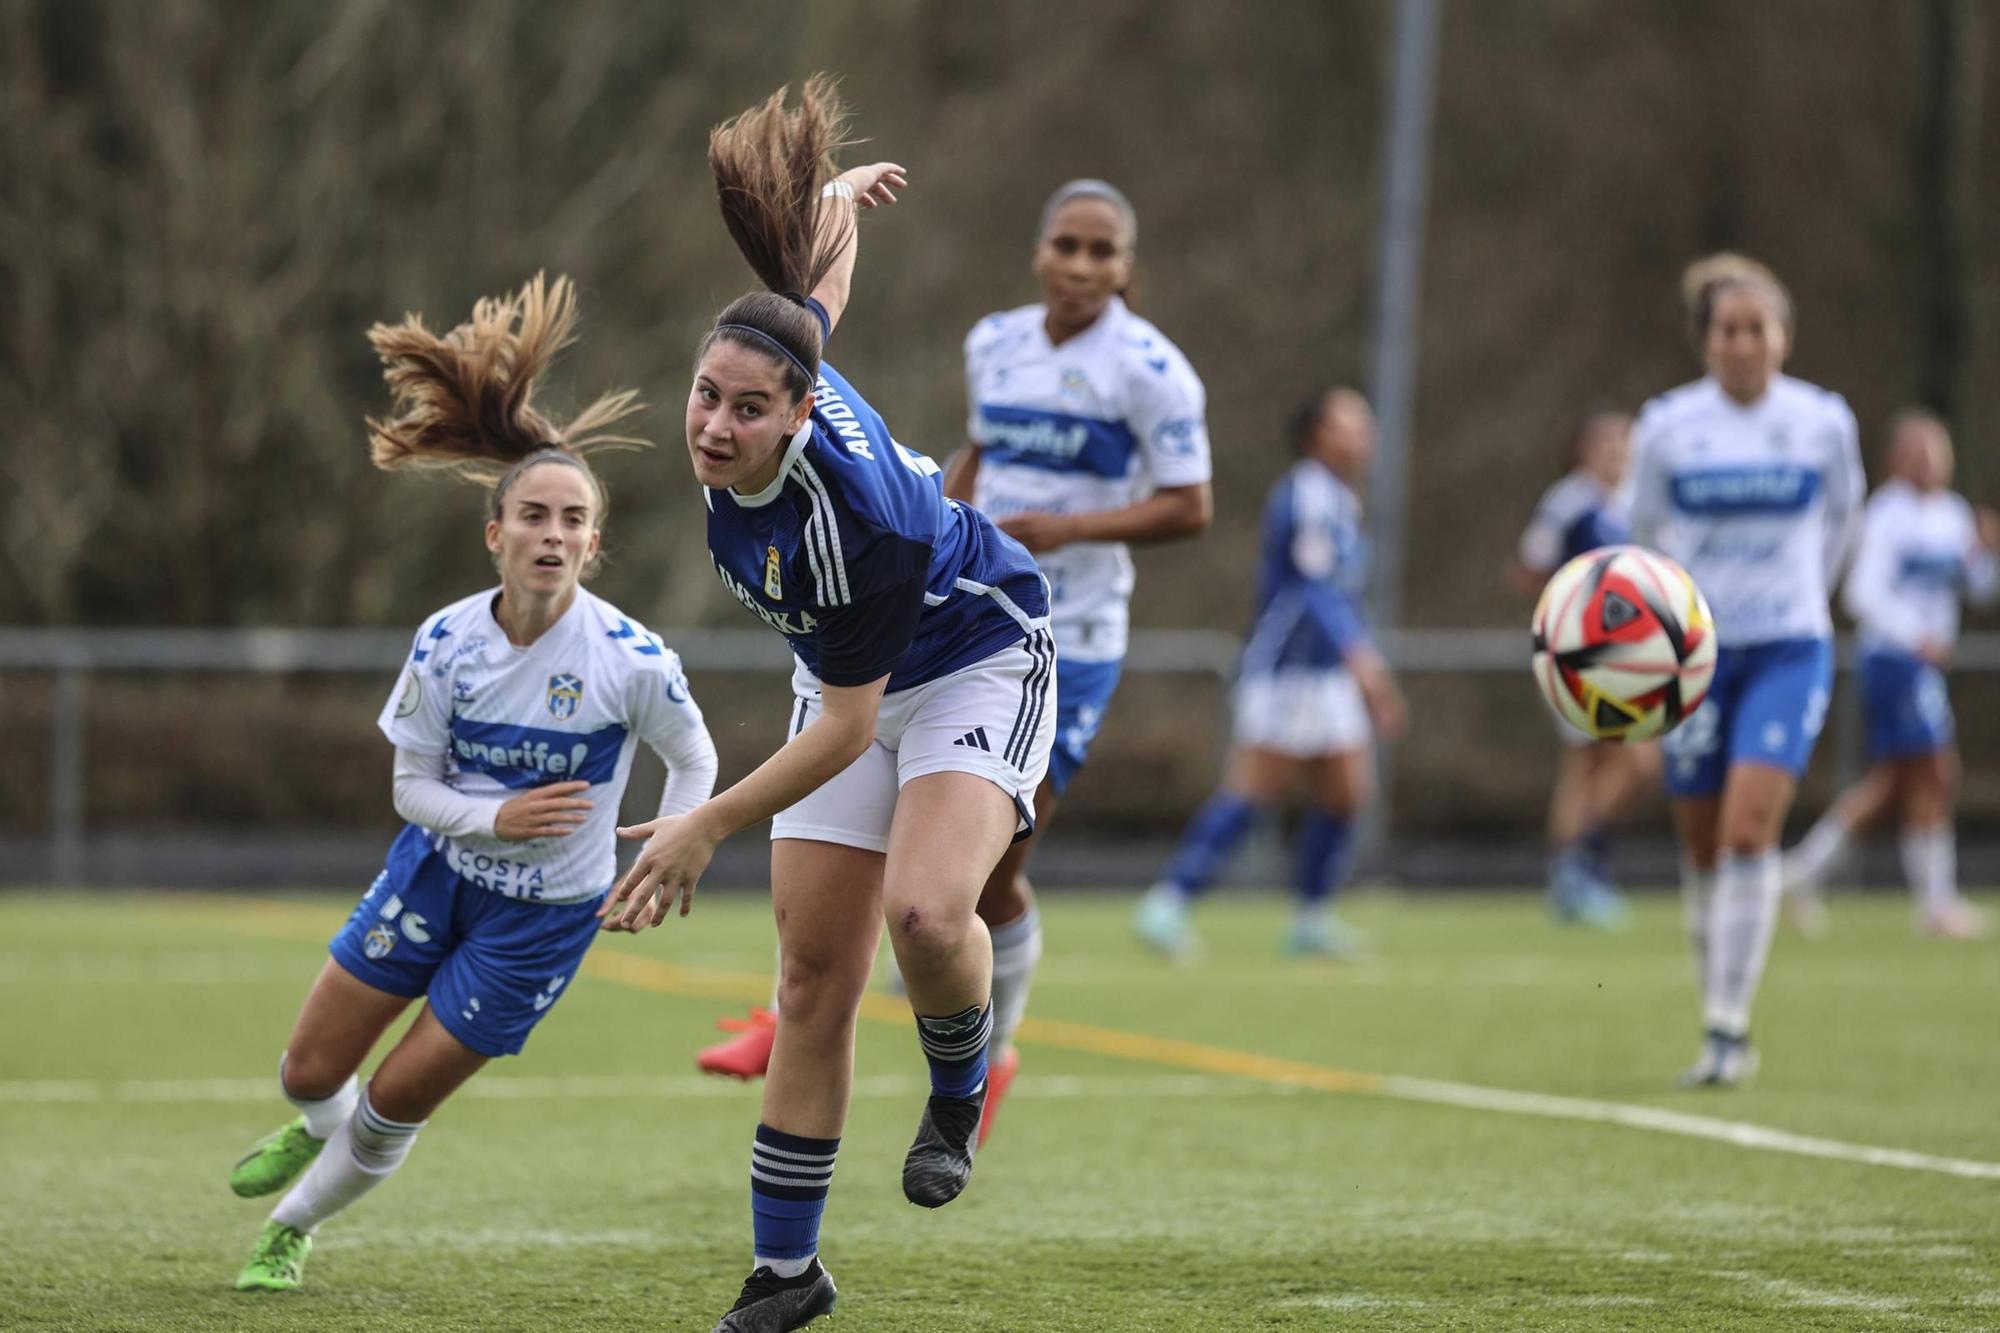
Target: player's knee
{"x":815,"y":989}
{"x":925,"y":934}
{"x":312,"y":1075}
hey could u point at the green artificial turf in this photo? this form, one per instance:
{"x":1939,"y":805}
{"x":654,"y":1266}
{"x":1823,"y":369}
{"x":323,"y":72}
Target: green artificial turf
{"x":597,"y":1182}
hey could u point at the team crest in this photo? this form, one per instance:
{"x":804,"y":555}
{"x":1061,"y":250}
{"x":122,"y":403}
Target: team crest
{"x":565,"y":693}
{"x":1075,"y":384}
{"x":772,"y":588}
{"x":381,"y":939}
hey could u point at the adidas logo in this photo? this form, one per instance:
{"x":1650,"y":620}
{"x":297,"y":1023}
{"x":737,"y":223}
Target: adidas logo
{"x":976,"y":738}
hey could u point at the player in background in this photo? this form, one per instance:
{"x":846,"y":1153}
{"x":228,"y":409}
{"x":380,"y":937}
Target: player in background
{"x":1308,"y":686}
{"x":1922,"y":548}
{"x":1086,"y":434}
{"x":1594,"y":779}
{"x":514,"y":726}
{"x":923,"y":704}
{"x":1752,"y":481}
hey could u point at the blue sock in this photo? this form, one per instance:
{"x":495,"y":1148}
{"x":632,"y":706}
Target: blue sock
{"x":1210,"y":839}
{"x":789,"y":1177}
{"x":1322,"y":856}
{"x":956,"y":1048}
{"x":1595,"y":846}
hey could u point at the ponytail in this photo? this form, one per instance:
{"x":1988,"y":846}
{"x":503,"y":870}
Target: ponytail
{"x":769,"y":164}
{"x":465,"y":400}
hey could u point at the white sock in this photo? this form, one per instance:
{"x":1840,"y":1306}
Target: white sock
{"x":1740,"y":924}
{"x":327,"y":1114}
{"x":361,"y":1154}
{"x":783,"y":1267}
{"x":1697,"y":889}
{"x":1017,"y":947}
{"x":1807,"y":864}
{"x":1930,"y":864}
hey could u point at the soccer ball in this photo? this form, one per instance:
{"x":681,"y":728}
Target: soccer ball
{"x":1624,"y":644}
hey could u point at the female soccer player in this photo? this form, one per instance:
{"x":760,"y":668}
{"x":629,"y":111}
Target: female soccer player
{"x":514,"y":727}
{"x":1581,"y":512}
{"x":1922,"y":548}
{"x":1086,"y":434}
{"x":1308,"y":687}
{"x":1752,"y":480}
{"x":923,"y":709}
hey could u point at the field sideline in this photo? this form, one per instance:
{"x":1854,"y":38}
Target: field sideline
{"x":1474,"y":1130}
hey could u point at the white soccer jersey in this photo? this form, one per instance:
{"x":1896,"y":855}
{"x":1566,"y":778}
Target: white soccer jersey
{"x":567,"y":707}
{"x":1918,"y":555}
{"x":1759,"y":503}
{"x":1096,"y":423}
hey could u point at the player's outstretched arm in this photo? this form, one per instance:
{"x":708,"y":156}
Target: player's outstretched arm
{"x":679,"y":847}
{"x":872,"y":186}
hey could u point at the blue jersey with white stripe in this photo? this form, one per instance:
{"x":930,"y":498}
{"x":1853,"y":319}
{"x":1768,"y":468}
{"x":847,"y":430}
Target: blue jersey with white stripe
{"x":855,"y":555}
{"x":1312,"y":569}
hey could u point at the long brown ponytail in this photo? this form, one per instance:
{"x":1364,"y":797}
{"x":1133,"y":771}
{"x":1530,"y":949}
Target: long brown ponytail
{"x":769,"y":164}
{"x":464,"y":400}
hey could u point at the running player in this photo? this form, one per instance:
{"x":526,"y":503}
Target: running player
{"x":1752,"y":480}
{"x":1308,"y":686}
{"x":1922,"y":548}
{"x":923,"y":709}
{"x":1581,"y":512}
{"x":1086,"y":434}
{"x":514,"y":726}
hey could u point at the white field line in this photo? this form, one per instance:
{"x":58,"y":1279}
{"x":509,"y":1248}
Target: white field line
{"x":1737,"y":1132}
{"x":671,"y":1087}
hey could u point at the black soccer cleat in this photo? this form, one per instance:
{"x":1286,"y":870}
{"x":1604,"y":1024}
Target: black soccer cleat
{"x":940,"y":1162}
{"x":773,"y":1304}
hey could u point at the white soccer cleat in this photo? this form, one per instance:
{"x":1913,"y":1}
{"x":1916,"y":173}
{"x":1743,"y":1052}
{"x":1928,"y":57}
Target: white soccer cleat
{"x":1958,"y":920}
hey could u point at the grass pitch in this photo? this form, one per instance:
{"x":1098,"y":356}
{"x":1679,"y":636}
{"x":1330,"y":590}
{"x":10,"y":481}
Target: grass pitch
{"x":1188,"y":1148}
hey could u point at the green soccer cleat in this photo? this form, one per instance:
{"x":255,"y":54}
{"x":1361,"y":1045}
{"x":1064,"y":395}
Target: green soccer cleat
{"x":278,"y":1261}
{"x":276,"y":1161}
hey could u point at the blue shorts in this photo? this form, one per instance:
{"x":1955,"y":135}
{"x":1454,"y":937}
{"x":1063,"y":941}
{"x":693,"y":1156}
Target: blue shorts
{"x":1083,"y":692}
{"x":491,"y":965}
{"x":1909,"y":709}
{"x":1767,"y":706}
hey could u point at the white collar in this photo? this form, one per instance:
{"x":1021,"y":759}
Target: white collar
{"x":771,"y":492}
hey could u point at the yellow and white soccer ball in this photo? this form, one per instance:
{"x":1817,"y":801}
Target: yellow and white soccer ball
{"x":1624,"y":644}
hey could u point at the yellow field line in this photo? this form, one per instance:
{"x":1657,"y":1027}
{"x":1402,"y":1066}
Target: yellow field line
{"x":622,"y":967}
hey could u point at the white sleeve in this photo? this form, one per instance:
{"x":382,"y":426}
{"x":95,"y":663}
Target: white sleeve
{"x":1982,"y":576}
{"x":1846,"y":489}
{"x":1540,"y":549}
{"x":418,"y":715}
{"x":667,"y":718}
{"x":424,"y":797}
{"x":1168,"y":417}
{"x":1869,"y":595}
{"x":1649,"y":481}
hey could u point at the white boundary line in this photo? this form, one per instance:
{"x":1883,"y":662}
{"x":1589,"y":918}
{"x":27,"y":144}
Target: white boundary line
{"x":1737,"y":1132}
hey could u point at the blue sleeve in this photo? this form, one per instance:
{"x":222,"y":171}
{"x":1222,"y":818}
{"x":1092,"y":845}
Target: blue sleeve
{"x":865,"y":639}
{"x":819,"y":313}
{"x":1340,"y":617}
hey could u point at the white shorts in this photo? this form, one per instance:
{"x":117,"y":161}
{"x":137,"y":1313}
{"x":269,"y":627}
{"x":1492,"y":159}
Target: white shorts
{"x":995,"y":719}
{"x":1303,"y":713}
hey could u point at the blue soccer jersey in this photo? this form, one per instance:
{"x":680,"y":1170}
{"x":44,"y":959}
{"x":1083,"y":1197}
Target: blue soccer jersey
{"x":1312,"y":568}
{"x":854,"y":554}
{"x":1575,"y":515}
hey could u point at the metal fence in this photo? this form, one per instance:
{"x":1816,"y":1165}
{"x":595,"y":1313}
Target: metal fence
{"x":72,"y":657}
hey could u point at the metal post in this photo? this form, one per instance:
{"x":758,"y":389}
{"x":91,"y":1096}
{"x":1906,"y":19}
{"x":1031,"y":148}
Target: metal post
{"x":1411,"y":95}
{"x":66,"y":783}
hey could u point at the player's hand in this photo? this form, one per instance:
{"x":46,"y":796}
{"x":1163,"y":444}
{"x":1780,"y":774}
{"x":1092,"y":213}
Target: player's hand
{"x":1380,"y":693}
{"x":1037,"y":531}
{"x":553,"y":811}
{"x":1988,"y":521}
{"x":1935,"y":653}
{"x":875,"y":185}
{"x":677,"y":850}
